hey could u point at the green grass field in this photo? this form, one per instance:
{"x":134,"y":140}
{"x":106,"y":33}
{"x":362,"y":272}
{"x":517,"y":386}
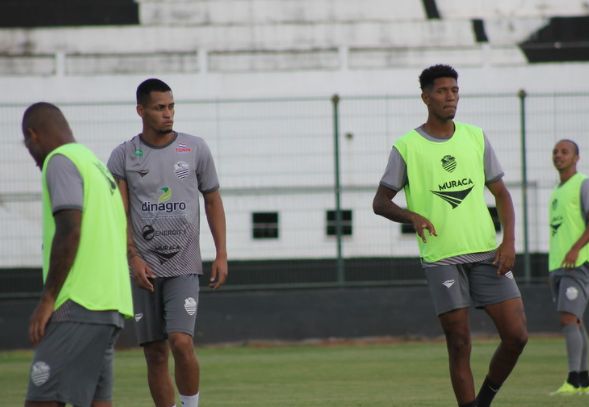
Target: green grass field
{"x":343,"y":375}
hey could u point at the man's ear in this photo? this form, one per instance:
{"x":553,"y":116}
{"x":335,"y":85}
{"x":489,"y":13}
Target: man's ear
{"x":140,"y":110}
{"x":425,"y":97}
{"x":32,"y":135}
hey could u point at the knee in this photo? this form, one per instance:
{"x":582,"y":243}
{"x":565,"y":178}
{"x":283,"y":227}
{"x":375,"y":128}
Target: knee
{"x":181,"y":345}
{"x":458,"y":343}
{"x":156,"y":353}
{"x":516,"y":342}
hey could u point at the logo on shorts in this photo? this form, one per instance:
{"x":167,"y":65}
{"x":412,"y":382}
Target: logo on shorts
{"x":40,"y":372}
{"x":572,"y":293}
{"x":190,"y":305}
{"x":509,"y":275}
{"x":138,"y":317}
{"x":448,"y":283}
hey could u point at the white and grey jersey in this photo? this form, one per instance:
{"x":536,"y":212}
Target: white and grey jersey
{"x":395,"y":178}
{"x":163,"y":185}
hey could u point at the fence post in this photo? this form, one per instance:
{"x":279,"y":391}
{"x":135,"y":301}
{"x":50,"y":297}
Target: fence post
{"x":522,"y":105}
{"x":338,"y":210}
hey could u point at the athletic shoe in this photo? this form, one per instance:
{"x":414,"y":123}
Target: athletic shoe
{"x":567,"y":389}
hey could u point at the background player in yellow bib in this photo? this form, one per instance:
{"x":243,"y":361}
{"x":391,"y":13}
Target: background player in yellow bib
{"x":443,"y":167}
{"x":568,"y":261}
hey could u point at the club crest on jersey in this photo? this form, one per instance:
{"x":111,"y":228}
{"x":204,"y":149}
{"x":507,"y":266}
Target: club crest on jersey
{"x":554,"y":204}
{"x":183,"y":148}
{"x":181,"y":169}
{"x":449,"y":163}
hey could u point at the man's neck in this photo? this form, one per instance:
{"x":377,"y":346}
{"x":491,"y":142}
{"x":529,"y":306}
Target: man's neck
{"x":157,"y":139}
{"x":437,"y":129}
{"x":565,"y":175}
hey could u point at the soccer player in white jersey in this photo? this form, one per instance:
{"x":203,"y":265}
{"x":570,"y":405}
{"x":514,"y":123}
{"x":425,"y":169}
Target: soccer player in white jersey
{"x":160,"y":173}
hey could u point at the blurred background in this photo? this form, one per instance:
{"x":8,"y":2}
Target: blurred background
{"x":300,"y":102}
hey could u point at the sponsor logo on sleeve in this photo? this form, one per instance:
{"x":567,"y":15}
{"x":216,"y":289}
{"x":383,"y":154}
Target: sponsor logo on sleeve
{"x":183,"y":148}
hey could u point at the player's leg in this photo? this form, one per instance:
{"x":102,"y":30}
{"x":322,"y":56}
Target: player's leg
{"x":103,"y":394}
{"x":151,"y":335}
{"x":510,"y":320}
{"x":584,"y":373}
{"x":501,"y":299}
{"x":449,"y":288}
{"x":570,"y":290}
{"x":186,"y":364}
{"x":457,"y":331}
{"x":181,"y":304}
{"x":158,"y":375}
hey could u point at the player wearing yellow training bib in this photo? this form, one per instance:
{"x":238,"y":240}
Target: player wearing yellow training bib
{"x":443,"y":167}
{"x":568,"y":261}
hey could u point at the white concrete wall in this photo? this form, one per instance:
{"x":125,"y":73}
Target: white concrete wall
{"x":277,"y":155}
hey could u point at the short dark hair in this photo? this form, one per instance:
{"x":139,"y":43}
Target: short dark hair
{"x":429,"y":75}
{"x":575,"y":145}
{"x":38,"y":114}
{"x":148,"y":86}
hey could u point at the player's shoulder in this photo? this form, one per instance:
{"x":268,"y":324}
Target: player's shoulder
{"x":189,"y":139}
{"x":407,"y":137}
{"x":188,"y":143}
{"x":127,"y":144}
{"x":468,"y":128}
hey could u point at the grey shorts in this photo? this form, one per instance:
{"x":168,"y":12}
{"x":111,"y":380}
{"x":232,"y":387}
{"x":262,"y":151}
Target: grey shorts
{"x":462,"y":285}
{"x":73,"y":364}
{"x":570,"y":289}
{"x":172,"y":307}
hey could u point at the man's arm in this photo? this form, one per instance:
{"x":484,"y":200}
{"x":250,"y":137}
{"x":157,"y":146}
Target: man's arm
{"x":216,"y":219}
{"x":383,"y":205}
{"x":570,"y":260}
{"x":505,"y":257}
{"x":139,"y":268}
{"x":63,"y":253}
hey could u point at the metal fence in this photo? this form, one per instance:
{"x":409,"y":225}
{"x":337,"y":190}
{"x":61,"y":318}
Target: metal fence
{"x":309,"y":167}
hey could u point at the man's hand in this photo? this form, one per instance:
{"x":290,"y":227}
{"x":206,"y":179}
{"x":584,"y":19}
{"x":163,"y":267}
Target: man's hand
{"x":141,"y":273}
{"x":219,"y":272}
{"x":570,"y":260}
{"x":421,"y":224}
{"x":504,"y":258}
{"x":39,"y":319}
